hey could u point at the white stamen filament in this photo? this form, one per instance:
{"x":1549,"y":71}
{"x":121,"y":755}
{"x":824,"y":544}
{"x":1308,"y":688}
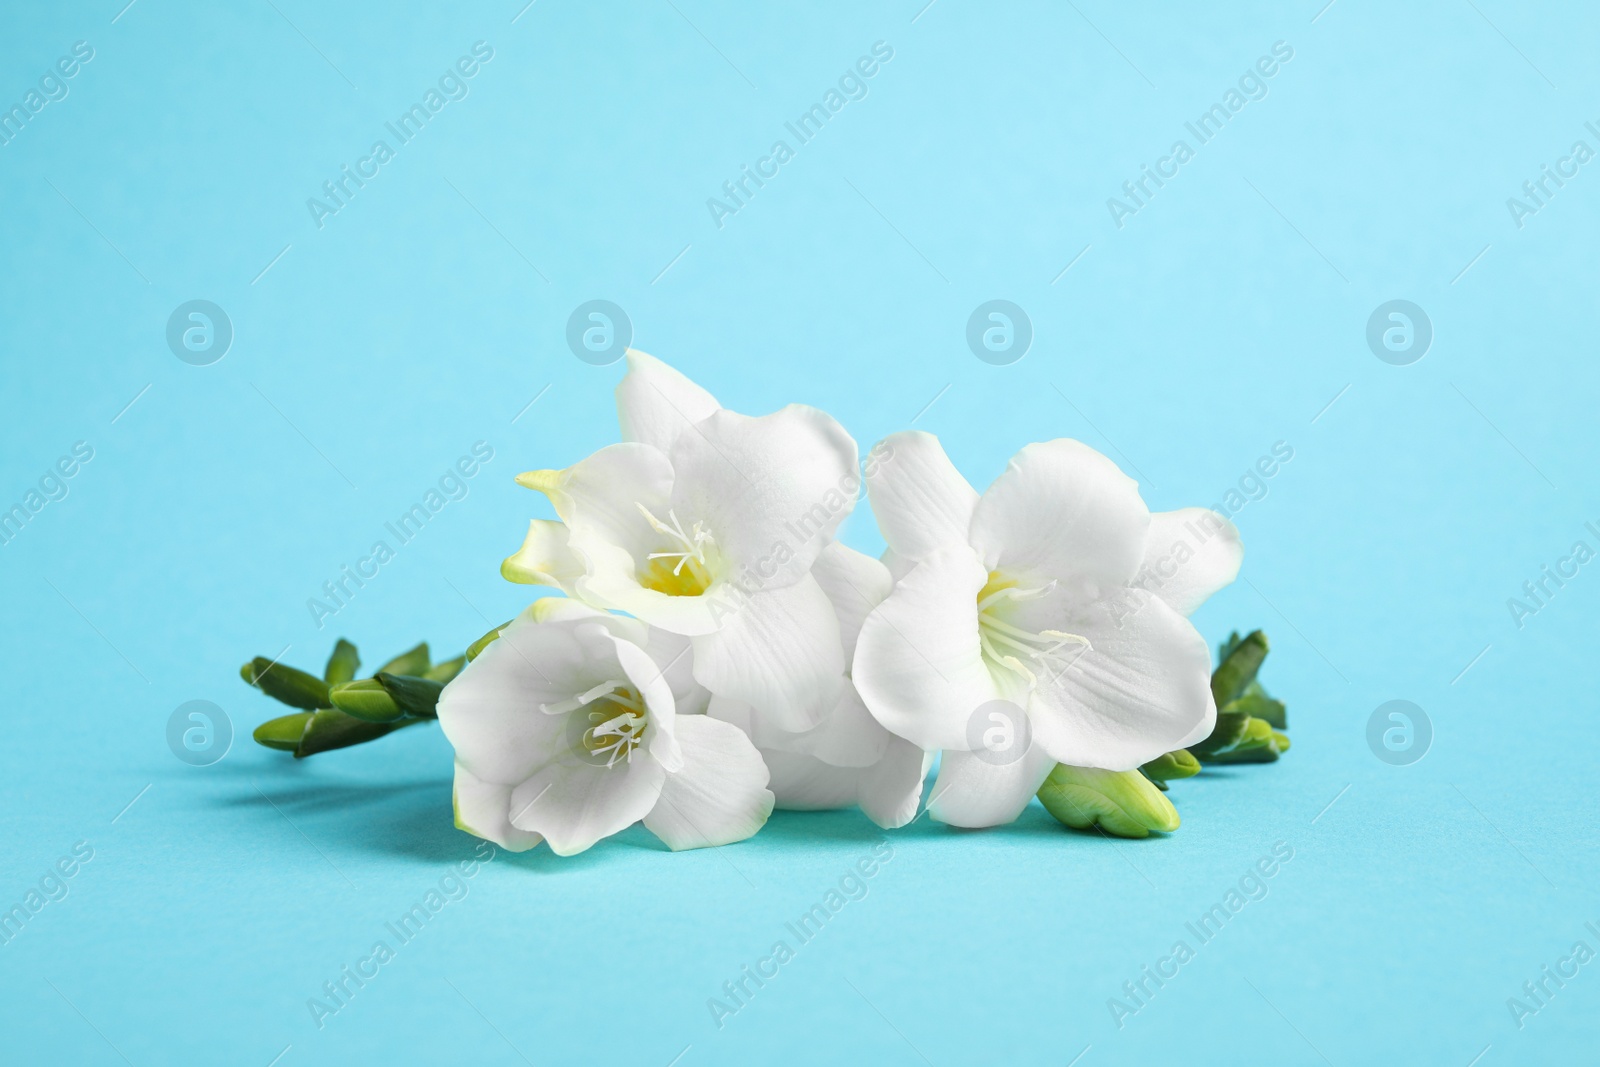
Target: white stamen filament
{"x":1014,"y":648}
{"x":618,"y":719}
{"x":693,"y":543}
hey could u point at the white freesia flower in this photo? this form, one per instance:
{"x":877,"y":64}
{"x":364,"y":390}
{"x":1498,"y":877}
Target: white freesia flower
{"x":1037,"y":592}
{"x":849,"y":758}
{"x":567,"y":729}
{"x":706,"y":523}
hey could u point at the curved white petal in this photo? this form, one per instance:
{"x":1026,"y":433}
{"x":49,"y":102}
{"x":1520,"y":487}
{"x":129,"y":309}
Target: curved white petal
{"x":855,"y":583}
{"x":599,"y":496}
{"x":1143,"y":687}
{"x":898,"y":565}
{"x":918,"y":664}
{"x":675,"y":654}
{"x":1062,"y":511}
{"x":918,"y":497}
{"x":655,"y":402}
{"x":779,"y":652}
{"x":484,"y":810}
{"x":805,"y":783}
{"x":772,"y":490}
{"x":848,"y":737}
{"x":551,"y":609}
{"x":1191,"y":553}
{"x":972,"y":792}
{"x":544,"y":558}
{"x":651,"y":683}
{"x":891,"y":788}
{"x":574,"y":803}
{"x":490,"y":711}
{"x":721,"y":794}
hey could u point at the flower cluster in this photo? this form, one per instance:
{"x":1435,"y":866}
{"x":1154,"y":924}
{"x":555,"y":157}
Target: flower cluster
{"x":760,"y":661}
{"x":718,"y":652}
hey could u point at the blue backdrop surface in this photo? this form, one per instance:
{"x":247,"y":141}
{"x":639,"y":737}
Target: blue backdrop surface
{"x":1191,"y":310}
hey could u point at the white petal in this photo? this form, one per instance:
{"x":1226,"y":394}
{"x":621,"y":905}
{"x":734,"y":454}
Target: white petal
{"x":898,"y":565}
{"x":918,"y":664}
{"x":779,"y":652}
{"x":848,"y":737}
{"x":771,"y":490}
{"x":891,"y":788}
{"x":973,"y":792}
{"x":490,"y":711}
{"x":1142,"y":689}
{"x":1191,"y":553}
{"x":919,"y":498}
{"x":599,"y":496}
{"x":484,"y":809}
{"x":567,"y":609}
{"x":805,"y":783}
{"x":721,"y":794}
{"x":651,"y":683}
{"x":655,"y":402}
{"x":574,"y":803}
{"x":1062,"y":511}
{"x":544,"y":558}
{"x":855,"y":583}
{"x":675,"y":654}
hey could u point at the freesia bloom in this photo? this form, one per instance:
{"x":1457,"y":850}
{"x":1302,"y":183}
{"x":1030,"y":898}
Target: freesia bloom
{"x":705,"y":523}
{"x":1055,"y":590}
{"x":566,"y":729}
{"x":849,"y":758}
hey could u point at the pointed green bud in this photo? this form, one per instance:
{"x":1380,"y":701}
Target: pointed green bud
{"x":1124,"y":803}
{"x":1255,"y":702}
{"x":283,"y":733}
{"x":1257,"y":745}
{"x":294,"y":688}
{"x":1230,"y":727}
{"x":333,"y":729}
{"x":414,"y":662}
{"x":367,"y":699}
{"x":343,"y":664}
{"x":1280,"y":741}
{"x":444,"y":672}
{"x":1177,"y":764}
{"x":477,"y":647}
{"x":415,"y":696}
{"x":1238,"y":668}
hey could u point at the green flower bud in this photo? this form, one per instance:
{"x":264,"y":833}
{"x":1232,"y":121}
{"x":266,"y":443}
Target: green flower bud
{"x":294,"y":688}
{"x":284,"y":733}
{"x":415,"y":696}
{"x":333,"y":729}
{"x":343,"y":664}
{"x":367,"y":699}
{"x":1230,"y":727}
{"x":1124,"y":803}
{"x":414,"y":662}
{"x":477,"y":647}
{"x":1177,"y":764}
{"x":1240,"y":662}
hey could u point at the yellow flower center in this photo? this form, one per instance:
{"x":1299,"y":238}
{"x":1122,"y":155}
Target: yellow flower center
{"x":1008,"y":647}
{"x":683,"y":567}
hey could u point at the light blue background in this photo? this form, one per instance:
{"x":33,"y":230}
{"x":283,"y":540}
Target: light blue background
{"x":1222,"y":318}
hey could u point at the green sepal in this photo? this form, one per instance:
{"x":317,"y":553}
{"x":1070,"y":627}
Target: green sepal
{"x":367,"y":699}
{"x":477,"y":647}
{"x":342,"y":664}
{"x":331,"y":728}
{"x":283,"y":733}
{"x":1237,"y":669}
{"x":1124,"y":803}
{"x":1176,"y":764}
{"x":445,"y":672}
{"x":285,"y":684}
{"x":1230,"y":728}
{"x":415,"y":662}
{"x":415,"y":696}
